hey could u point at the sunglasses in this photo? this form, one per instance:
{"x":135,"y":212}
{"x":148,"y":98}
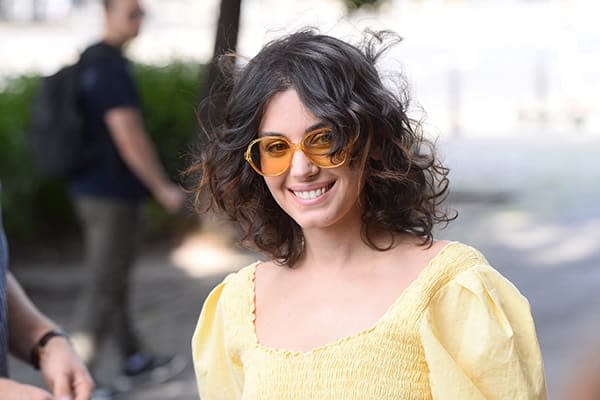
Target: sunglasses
{"x":272,"y":155}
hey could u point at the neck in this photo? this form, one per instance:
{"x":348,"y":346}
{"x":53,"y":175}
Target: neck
{"x":334,"y":249}
{"x":114,"y":41}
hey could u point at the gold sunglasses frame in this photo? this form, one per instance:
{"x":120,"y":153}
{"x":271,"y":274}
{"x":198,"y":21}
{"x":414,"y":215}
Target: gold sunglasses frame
{"x":294,"y":147}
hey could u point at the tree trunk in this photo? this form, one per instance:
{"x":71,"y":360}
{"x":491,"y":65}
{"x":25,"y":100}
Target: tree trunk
{"x":213,"y":96}
{"x":213,"y":91}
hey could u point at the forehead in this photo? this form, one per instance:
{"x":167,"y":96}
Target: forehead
{"x":285,"y":113}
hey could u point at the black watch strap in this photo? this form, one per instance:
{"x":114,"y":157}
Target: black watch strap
{"x":35,"y":352}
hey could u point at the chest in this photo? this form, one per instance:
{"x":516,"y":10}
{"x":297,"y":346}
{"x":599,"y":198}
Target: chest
{"x":303,"y":315}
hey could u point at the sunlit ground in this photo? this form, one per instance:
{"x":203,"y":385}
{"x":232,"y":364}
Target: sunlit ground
{"x":204,"y":254}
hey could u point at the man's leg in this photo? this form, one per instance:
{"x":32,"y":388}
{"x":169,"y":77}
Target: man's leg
{"x":112,"y":233}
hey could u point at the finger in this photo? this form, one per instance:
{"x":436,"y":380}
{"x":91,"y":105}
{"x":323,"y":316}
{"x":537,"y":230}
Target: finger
{"x":83,"y":387}
{"x":37,"y":395}
{"x":62,"y":388}
{"x":31,"y":392}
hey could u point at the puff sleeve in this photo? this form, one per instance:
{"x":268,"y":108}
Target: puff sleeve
{"x":218,"y":376}
{"x":479,"y":340}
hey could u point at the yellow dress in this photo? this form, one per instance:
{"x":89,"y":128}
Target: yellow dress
{"x":459,"y":331}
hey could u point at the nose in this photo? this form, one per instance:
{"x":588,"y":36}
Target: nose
{"x":302,"y":166}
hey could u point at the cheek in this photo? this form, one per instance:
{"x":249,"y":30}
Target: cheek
{"x":274,"y":184}
{"x":277,"y":191}
{"x":355,"y":186}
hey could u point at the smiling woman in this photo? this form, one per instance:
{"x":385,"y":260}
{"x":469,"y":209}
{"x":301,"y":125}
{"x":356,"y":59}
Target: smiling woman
{"x":340,"y":88}
{"x":325,"y":173}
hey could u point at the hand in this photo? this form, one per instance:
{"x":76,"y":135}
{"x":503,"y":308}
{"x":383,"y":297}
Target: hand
{"x":171,"y":197}
{"x":11,"y":390}
{"x":64,"y":373}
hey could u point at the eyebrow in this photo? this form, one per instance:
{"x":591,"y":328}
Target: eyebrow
{"x":313,"y":127}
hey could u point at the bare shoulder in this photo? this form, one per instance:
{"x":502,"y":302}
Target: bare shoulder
{"x":273,"y":284}
{"x":423,"y":254}
{"x":266,"y":269}
{"x":436,"y":247}
{"x":267,"y":274}
{"x":414,"y":257}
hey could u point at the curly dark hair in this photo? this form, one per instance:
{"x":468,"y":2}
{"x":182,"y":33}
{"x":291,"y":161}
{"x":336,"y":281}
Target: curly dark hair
{"x":404,"y":183}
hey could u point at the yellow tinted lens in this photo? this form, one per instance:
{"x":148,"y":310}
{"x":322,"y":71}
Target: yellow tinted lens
{"x":318,"y":146}
{"x":273,"y":156}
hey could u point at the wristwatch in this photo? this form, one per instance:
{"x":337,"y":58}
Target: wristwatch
{"x":34,"y":357}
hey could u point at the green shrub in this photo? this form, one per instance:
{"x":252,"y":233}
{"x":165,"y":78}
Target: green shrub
{"x":20,"y":183}
{"x":169,"y":95}
{"x":34,"y":206}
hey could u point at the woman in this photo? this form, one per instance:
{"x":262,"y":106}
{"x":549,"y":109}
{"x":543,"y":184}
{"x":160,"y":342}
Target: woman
{"x":320,"y":165}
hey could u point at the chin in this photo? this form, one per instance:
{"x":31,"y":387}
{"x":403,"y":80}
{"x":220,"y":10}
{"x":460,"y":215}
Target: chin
{"x":317,"y":221}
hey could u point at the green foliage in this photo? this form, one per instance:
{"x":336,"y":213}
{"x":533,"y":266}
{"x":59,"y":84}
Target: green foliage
{"x":33,"y":206}
{"x":20,"y":182}
{"x":169,"y":95}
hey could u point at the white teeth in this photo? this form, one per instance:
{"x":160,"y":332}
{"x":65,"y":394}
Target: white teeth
{"x":312,"y":194}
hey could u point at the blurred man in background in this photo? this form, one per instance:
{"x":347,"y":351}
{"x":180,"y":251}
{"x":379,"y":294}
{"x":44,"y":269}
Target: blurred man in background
{"x":108,"y":195}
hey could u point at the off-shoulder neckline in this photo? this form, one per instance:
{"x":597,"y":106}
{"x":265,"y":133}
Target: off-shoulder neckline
{"x":251,"y":325}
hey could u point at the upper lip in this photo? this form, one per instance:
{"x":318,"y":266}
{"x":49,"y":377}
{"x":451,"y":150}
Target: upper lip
{"x":308,"y":188}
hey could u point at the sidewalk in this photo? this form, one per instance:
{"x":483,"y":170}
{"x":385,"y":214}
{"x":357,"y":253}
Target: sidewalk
{"x":532,"y":206}
{"x":168,"y":291}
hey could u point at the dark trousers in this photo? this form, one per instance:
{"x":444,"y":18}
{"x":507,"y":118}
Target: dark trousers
{"x":112,"y":231}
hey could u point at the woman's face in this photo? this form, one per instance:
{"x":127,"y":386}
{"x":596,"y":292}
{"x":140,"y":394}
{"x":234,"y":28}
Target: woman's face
{"x":316,"y":198}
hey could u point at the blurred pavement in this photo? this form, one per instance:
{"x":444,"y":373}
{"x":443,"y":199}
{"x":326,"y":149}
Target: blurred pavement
{"x":530,"y":204}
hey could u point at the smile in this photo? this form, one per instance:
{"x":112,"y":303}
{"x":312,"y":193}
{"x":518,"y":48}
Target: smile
{"x":312,"y":194}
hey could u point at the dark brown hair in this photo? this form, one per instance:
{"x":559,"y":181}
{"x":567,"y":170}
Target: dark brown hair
{"x":404,"y":184}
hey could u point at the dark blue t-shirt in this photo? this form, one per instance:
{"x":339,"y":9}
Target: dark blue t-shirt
{"x":3,"y":298}
{"x":106,"y":83}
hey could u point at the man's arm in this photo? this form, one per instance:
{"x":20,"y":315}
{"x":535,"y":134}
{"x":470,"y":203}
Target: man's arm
{"x":26,"y":323}
{"x":63,"y":372}
{"x":127,"y":130}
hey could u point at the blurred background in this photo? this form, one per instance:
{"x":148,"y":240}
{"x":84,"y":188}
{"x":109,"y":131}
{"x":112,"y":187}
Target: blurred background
{"x":509,"y":89}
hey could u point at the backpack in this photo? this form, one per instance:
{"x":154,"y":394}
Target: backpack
{"x":56,"y":133}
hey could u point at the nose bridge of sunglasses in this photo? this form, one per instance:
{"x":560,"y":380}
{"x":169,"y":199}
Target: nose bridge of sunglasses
{"x":298,"y":147}
{"x":299,"y":151}
{"x":318,"y":155}
{"x":302,"y":149}
{"x":296,"y":155}
{"x":301,"y":162}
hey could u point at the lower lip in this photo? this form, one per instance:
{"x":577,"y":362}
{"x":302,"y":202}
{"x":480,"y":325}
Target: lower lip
{"x":311,"y":202}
